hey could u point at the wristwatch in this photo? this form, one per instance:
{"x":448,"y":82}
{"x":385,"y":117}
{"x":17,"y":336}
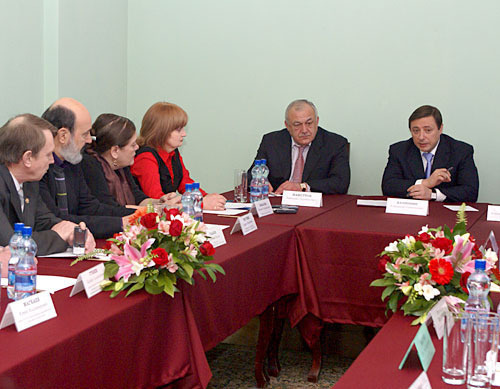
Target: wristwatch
{"x":434,"y":195}
{"x":303,"y":186}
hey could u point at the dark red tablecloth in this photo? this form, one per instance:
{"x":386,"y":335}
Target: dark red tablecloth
{"x":377,"y":365}
{"x":340,"y":248}
{"x":141,"y":341}
{"x":260,"y":268}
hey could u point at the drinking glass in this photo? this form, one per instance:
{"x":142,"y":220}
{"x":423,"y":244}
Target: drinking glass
{"x":240,"y":186}
{"x":455,"y":349}
{"x":483,"y":350}
{"x":79,"y":237}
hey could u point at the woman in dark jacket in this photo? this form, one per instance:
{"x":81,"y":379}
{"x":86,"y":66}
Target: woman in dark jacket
{"x":106,"y":165}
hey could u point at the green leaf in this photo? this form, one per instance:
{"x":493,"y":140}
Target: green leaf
{"x":382,"y":282}
{"x":211,"y":274}
{"x":387,"y":291}
{"x":152,"y":287}
{"x":135,"y":287}
{"x":169,"y":287}
{"x":216,"y":267}
{"x":393,"y":302}
{"x":114,"y":293}
{"x":188,"y":269}
{"x":202,"y":274}
{"x":110,"y":269}
{"x":459,"y":229}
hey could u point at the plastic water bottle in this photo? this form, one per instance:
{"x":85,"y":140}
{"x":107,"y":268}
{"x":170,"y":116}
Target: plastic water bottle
{"x":263,"y":180}
{"x":255,"y":184}
{"x":25,"y":285}
{"x":14,"y":258}
{"x":187,"y":201}
{"x":197,"y":200}
{"x":478,"y":285}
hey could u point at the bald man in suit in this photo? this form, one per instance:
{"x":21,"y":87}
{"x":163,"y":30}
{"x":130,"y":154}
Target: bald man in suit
{"x":304,"y":156}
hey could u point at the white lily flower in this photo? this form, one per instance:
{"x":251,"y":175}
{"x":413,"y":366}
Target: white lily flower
{"x":393,"y":247}
{"x":429,"y":292}
{"x":424,"y":229}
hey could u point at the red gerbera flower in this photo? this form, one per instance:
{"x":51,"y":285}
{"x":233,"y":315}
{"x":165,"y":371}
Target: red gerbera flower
{"x":441,"y":270}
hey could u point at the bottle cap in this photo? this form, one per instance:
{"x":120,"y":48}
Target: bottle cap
{"x":27,"y":231}
{"x":196,"y":185}
{"x":18,"y":227}
{"x":263,"y":161}
{"x":257,"y":162}
{"x":480,"y":264}
{"x":189,"y":187}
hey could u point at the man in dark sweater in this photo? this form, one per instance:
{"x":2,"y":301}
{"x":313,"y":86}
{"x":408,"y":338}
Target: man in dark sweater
{"x":63,"y":188}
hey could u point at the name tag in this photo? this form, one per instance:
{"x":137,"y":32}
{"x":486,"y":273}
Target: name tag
{"x":263,"y":207}
{"x":245,"y":223}
{"x":29,"y":311}
{"x":493,"y":213}
{"x":407,"y":207}
{"x":422,"y":382}
{"x":216,"y":236}
{"x":305,"y":199}
{"x":90,"y":280}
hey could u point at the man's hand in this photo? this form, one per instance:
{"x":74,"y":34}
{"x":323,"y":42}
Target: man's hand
{"x":89,"y":241}
{"x":214,"y":201}
{"x":420,"y":192}
{"x":4,"y":260}
{"x":270,"y":187}
{"x":65,"y":230}
{"x":171,"y":199}
{"x":287,"y":185}
{"x":437,"y":177}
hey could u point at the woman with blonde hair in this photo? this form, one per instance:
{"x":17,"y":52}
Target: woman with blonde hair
{"x":158,"y":165}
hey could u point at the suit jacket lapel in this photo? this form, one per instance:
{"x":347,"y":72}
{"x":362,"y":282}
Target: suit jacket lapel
{"x":14,"y":196}
{"x":442,"y":157}
{"x":313,"y":155}
{"x":415,"y":161}
{"x":286,"y":155}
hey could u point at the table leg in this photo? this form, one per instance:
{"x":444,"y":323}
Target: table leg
{"x":316,"y":362}
{"x":273,"y":363}
{"x":265,"y":332}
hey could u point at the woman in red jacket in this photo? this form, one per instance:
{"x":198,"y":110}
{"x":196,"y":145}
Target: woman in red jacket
{"x":158,"y":165}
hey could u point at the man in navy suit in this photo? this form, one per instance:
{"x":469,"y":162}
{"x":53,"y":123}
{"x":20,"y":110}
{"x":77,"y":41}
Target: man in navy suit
{"x":430,"y":165}
{"x":303,"y":156}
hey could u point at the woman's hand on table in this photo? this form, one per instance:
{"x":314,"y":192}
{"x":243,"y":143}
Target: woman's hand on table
{"x":214,"y":201}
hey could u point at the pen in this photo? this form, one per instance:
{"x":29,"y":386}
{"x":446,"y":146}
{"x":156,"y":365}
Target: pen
{"x":450,"y":169}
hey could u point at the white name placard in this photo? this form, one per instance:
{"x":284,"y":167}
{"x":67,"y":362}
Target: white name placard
{"x":422,"y":382}
{"x":305,"y":199}
{"x":245,"y":223}
{"x":90,"y":280}
{"x":216,"y":236}
{"x":29,"y":311}
{"x":407,"y":206}
{"x":493,"y":213}
{"x":263,"y":207}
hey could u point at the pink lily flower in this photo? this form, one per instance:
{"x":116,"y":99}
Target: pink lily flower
{"x":130,"y":262}
{"x":461,"y":253}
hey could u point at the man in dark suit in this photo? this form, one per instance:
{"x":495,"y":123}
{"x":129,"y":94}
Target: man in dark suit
{"x":430,"y":165}
{"x":63,"y":188}
{"x":26,"y":145}
{"x":303,"y":156}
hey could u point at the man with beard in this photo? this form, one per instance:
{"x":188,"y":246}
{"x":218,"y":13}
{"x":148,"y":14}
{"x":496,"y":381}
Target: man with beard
{"x":63,"y":188}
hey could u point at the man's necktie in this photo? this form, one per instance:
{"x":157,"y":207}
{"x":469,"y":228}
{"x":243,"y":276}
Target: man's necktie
{"x":61,"y":195}
{"x":298,"y":169}
{"x":428,"y":157}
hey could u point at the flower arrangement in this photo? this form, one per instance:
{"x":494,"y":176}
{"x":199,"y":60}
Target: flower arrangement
{"x":154,"y":251}
{"x":420,"y":270}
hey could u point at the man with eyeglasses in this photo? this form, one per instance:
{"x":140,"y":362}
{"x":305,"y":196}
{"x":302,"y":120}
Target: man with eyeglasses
{"x":430,"y":165}
{"x":63,"y":188}
{"x":304,"y":156}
